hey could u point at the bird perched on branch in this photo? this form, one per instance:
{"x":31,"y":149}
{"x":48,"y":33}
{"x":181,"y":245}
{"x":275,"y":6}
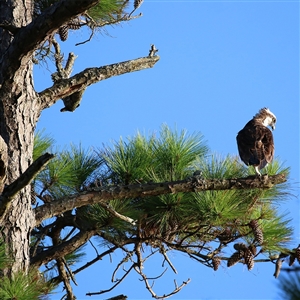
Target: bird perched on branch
{"x":255,"y":141}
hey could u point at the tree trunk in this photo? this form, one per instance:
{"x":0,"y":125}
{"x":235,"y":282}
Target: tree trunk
{"x":20,"y":107}
{"x":18,"y":114}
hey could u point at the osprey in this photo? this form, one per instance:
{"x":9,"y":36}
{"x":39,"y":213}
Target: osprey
{"x":255,"y":140}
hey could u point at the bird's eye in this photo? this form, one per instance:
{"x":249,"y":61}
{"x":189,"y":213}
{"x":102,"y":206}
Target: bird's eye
{"x":274,"y":120}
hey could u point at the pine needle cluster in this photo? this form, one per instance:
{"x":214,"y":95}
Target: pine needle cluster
{"x":208,"y":225}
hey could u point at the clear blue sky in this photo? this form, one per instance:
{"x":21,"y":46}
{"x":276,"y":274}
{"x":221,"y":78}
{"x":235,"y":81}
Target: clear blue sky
{"x":221,"y":61}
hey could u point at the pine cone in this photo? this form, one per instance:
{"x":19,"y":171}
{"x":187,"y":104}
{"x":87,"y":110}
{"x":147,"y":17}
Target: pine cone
{"x":63,"y":32}
{"x":240,"y":246}
{"x":235,"y":258}
{"x":225,"y":236}
{"x":258,"y":235}
{"x":253,"y":249}
{"x":216,"y":261}
{"x":74,"y":24}
{"x":248,"y":256}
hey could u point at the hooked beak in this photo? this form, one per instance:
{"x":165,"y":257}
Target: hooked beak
{"x":273,"y":127}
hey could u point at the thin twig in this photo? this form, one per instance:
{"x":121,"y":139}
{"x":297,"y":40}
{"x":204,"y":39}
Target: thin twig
{"x":118,"y":282}
{"x":96,"y":250}
{"x":164,"y":253}
{"x":116,"y":214}
{"x":138,"y":253}
{"x":69,"y":271}
{"x":156,"y":277}
{"x":149,"y":287}
{"x":124,"y":260}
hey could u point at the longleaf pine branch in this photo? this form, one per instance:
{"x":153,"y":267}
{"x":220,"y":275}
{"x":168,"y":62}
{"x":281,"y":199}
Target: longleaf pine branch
{"x":192,"y":184}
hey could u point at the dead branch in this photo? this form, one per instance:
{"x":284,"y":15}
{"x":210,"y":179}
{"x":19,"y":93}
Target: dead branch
{"x":156,"y":277}
{"x":117,"y":215}
{"x":57,"y":279}
{"x":62,"y":249}
{"x":124,"y":260}
{"x":70,"y":273}
{"x":62,"y":72}
{"x":119,"y":297}
{"x":96,"y":250}
{"x":137,"y":250}
{"x":63,"y":274}
{"x":105,"y":194}
{"x":118,"y":282}
{"x":163,"y":251}
{"x":149,"y":287}
{"x":11,"y":190}
{"x":82,"y":80}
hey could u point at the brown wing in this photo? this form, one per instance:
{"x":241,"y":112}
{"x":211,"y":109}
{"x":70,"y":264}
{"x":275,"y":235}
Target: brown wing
{"x":255,"y":144}
{"x":265,"y":146}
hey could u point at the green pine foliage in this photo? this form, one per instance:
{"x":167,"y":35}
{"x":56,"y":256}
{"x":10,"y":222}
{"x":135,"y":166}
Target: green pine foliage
{"x":166,"y":158}
{"x":21,"y":286}
{"x":183,"y":221}
{"x":42,"y":144}
{"x":127,"y":161}
{"x":25,"y":286}
{"x":107,"y":10}
{"x":174,"y":156}
{"x":67,"y":172}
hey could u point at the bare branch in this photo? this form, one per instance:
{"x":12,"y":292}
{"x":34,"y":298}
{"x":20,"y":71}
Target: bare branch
{"x":149,"y":287}
{"x":164,"y":253}
{"x":119,"y":297}
{"x":58,"y":279}
{"x":80,"y":81}
{"x":94,"y":247}
{"x":117,"y":215}
{"x":69,"y":271}
{"x":62,"y":249}
{"x":138,"y":253}
{"x":156,"y":277}
{"x":86,"y":41}
{"x":118,"y":282}
{"x":105,"y":194}
{"x":63,"y":274}
{"x":124,"y":260}
{"x":11,"y":190}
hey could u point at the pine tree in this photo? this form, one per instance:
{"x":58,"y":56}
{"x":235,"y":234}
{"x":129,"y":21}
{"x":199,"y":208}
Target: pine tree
{"x":160,"y":192}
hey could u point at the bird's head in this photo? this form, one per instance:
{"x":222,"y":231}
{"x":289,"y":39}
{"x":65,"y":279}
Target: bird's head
{"x":266,"y":117}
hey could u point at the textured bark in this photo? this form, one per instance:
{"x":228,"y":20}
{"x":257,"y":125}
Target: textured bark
{"x":63,"y":249}
{"x":28,"y":37}
{"x":20,"y":108}
{"x":192,"y":184}
{"x":21,"y":182}
{"x":66,"y":87}
{"x":18,"y":115}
